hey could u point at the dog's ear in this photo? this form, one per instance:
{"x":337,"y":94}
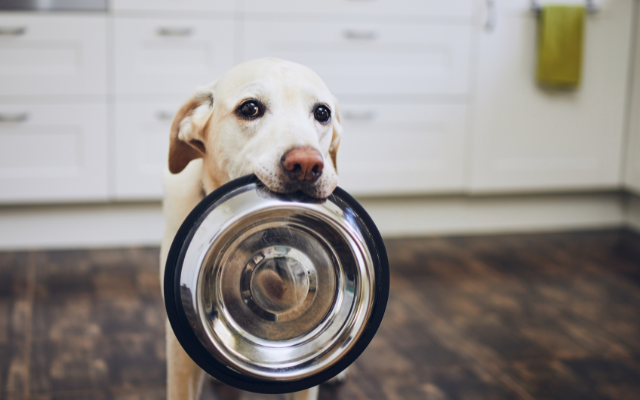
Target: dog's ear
{"x":188,"y":136}
{"x":337,"y":135}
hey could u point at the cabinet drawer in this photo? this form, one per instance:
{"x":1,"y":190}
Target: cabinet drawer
{"x":172,"y":55}
{"x":172,"y":5}
{"x":402,"y":148}
{"x":53,"y":153}
{"x":45,"y":55}
{"x":142,"y":148}
{"x":358,"y":58}
{"x":429,"y":8}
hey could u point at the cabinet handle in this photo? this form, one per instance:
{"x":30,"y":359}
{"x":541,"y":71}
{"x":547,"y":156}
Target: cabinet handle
{"x":164,"y":115}
{"x":360,"y":35}
{"x":368,"y":115}
{"x":174,"y":31}
{"x":13,"y":31}
{"x":13,"y":117}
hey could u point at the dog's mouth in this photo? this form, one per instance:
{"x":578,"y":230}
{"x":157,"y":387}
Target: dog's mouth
{"x":309,"y":189}
{"x":320,"y":189}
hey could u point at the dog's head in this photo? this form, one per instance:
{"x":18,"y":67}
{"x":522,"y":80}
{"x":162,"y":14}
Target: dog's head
{"x":270,"y":117}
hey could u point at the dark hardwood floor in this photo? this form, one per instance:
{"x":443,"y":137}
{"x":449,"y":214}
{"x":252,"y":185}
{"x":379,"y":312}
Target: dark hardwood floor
{"x":540,"y":316}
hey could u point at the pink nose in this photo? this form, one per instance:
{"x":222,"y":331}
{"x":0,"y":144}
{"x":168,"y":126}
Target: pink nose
{"x":303,"y":164}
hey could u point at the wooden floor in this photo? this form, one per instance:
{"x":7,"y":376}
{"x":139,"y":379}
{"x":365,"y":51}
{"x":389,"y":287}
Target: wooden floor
{"x":548,"y":316}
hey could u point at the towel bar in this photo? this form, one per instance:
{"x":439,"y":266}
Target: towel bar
{"x":590,"y":6}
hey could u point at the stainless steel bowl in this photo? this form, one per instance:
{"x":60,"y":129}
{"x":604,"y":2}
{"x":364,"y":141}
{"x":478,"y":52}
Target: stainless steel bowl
{"x":275,"y":293}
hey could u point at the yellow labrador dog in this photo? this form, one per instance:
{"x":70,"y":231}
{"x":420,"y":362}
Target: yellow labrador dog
{"x":270,"y":117}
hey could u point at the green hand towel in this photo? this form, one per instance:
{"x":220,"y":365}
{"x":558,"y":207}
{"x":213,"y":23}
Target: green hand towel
{"x":560,"y":31}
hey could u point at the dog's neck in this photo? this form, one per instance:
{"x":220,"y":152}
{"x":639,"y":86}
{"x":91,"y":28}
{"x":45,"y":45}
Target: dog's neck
{"x":211,"y":176}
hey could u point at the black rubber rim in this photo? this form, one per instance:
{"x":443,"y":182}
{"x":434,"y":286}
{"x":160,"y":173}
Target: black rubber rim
{"x":213,"y":367}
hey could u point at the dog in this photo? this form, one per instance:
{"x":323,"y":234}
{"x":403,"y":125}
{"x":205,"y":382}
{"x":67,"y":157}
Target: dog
{"x":269,"y":117}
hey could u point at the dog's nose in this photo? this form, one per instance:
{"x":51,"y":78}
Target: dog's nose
{"x":303,"y":164}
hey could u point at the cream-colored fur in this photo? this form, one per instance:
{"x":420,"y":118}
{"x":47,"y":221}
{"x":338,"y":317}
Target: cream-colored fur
{"x":211,"y":144}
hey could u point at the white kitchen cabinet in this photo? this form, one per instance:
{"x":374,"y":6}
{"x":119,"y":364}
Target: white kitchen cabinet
{"x":395,"y":149}
{"x":142,"y":148}
{"x":632,"y":147}
{"x":52,"y":54}
{"x":53,"y":152}
{"x":423,"y":8}
{"x":526,"y":138}
{"x":173,"y":5}
{"x":632,"y":172}
{"x":170,"y":55}
{"x":367,"y":58}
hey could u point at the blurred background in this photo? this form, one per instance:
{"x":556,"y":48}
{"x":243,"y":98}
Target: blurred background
{"x":446,"y":129}
{"x":511,"y":210}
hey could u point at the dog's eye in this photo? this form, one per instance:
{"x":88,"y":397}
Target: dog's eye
{"x":250,"y":109}
{"x":322,"y":114}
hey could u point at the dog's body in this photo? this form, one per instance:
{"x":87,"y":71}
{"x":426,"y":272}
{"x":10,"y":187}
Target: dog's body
{"x":269,"y":117}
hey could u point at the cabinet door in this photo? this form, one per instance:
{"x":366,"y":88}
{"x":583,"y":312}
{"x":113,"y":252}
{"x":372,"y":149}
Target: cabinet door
{"x":632,"y":172}
{"x":430,"y":8}
{"x":170,"y":55}
{"x":363,"y":58}
{"x":172,"y":5}
{"x":48,"y":55}
{"x":391,"y":149}
{"x":527,"y":138}
{"x":53,"y":153}
{"x":142,"y":148}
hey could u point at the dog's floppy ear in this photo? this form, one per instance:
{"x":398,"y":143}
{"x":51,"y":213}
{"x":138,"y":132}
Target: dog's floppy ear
{"x":188,"y":135}
{"x":337,"y":134}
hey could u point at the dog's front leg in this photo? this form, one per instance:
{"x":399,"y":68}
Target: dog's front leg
{"x":184,"y":377}
{"x":309,"y":394}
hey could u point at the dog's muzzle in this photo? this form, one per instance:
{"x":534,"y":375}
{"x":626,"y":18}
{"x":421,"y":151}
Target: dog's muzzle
{"x":275,"y":293}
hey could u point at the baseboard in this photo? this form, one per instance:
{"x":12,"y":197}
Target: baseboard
{"x":141,"y":224}
{"x":633,"y":212}
{"x":81,"y":226}
{"x":495,"y":214}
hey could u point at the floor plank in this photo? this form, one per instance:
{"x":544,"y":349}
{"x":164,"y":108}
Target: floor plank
{"x":536,"y":316}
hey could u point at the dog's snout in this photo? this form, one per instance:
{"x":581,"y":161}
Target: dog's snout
{"x":303,"y":164}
